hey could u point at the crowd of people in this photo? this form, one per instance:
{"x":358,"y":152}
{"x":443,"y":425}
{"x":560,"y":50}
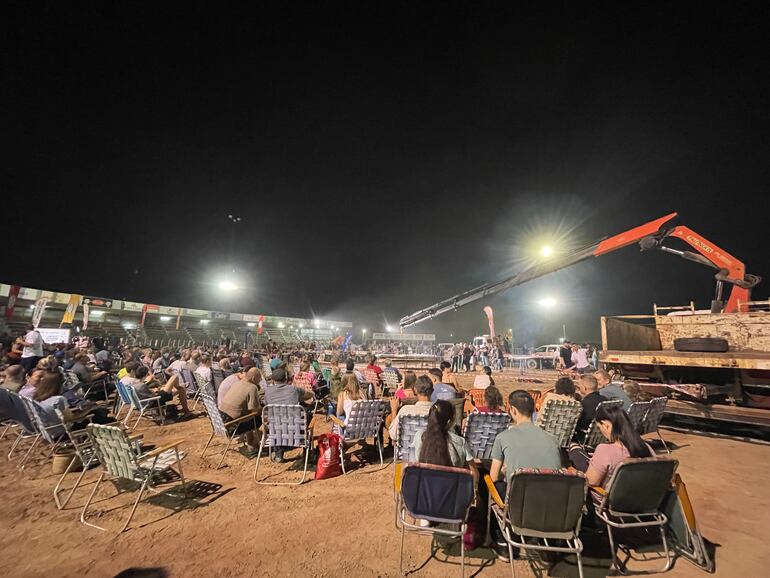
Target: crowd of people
{"x":57,"y":377}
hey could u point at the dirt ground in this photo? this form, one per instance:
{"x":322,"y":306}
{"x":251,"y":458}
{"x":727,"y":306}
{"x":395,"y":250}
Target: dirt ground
{"x":338,"y":527}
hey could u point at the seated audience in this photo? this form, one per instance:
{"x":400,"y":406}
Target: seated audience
{"x":351,"y":393}
{"x":590,"y":399}
{"x":624,"y":442}
{"x":145,"y":386}
{"x":439,"y":445}
{"x":389,"y":367}
{"x":610,"y":390}
{"x":440,"y":390}
{"x":448,"y":376}
{"x":423,"y":388}
{"x":493,"y":401}
{"x":14,"y":378}
{"x":33,"y":378}
{"x":404,"y":391}
{"x":282,"y":393}
{"x":243,"y":398}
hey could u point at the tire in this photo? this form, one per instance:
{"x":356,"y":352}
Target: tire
{"x":532,"y":364}
{"x":702,"y":344}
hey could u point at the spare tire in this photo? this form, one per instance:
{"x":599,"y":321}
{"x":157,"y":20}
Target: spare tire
{"x":702,"y":344}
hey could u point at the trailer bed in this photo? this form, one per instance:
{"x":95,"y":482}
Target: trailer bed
{"x":731,"y":359}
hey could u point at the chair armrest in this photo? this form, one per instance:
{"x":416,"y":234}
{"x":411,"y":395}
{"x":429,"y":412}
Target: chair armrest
{"x":246,"y":417}
{"x":135,"y":438}
{"x":161,"y":449}
{"x":493,"y":493}
{"x":337,"y":421}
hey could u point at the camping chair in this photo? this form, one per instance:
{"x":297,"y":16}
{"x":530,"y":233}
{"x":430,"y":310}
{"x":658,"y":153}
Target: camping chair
{"x":365,"y":421}
{"x":285,"y":426}
{"x":652,"y":419}
{"x":141,"y":405}
{"x":190,"y":384}
{"x":559,"y":417}
{"x":686,"y":539}
{"x":17,"y":417}
{"x":633,"y":499}
{"x":51,"y":434}
{"x":97,"y":384}
{"x":637,"y":412}
{"x":594,"y":435}
{"x":437,"y":494}
{"x":536,"y":396}
{"x":480,"y":432}
{"x":403,"y":451}
{"x":116,"y":452}
{"x":226,"y":429}
{"x":202,"y":386}
{"x":540,"y":505}
{"x":123,"y":399}
{"x":217,"y":376}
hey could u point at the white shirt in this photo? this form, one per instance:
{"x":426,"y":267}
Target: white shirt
{"x":204,"y":372}
{"x":178,"y":365}
{"x":580,"y":358}
{"x":36,"y":350}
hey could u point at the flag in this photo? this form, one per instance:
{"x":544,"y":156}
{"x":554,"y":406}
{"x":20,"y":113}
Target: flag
{"x":12,"y":297}
{"x":86,"y":310}
{"x":346,"y":343}
{"x":178,"y":317}
{"x":72,"y":307}
{"x":37,"y":312}
{"x":488,"y":311}
{"x":261,"y":319}
{"x":144,"y":314}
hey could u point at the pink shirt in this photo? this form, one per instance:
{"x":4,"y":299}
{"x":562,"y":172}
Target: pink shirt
{"x":608,"y":456}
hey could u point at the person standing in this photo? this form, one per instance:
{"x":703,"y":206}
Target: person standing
{"x":33,"y":348}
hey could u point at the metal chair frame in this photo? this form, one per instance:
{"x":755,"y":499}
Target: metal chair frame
{"x":481,"y":429}
{"x":594,"y":435}
{"x":141,"y":405}
{"x":365,"y":421}
{"x":219,"y":427}
{"x":276,"y":425}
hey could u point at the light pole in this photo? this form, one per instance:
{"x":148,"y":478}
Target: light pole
{"x":363,"y":336}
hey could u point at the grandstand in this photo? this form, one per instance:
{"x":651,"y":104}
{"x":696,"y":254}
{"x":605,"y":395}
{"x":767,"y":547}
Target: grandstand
{"x":123,"y":320}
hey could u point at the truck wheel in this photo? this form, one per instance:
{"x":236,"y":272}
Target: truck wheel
{"x":704,"y":344}
{"x":531,"y":364}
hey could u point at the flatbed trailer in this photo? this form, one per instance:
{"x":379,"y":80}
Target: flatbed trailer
{"x":731,"y":386}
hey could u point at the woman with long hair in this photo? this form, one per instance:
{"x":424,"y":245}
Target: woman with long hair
{"x":493,"y":401}
{"x":350,"y":394}
{"x":624,"y":442}
{"x":441,"y":446}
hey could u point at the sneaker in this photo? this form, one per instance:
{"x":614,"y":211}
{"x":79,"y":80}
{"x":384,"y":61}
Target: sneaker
{"x":502,"y":553}
{"x":249,"y":452}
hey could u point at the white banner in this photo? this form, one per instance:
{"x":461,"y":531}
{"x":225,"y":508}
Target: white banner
{"x":86,"y":311}
{"x":404,"y":337}
{"x":37,"y":313}
{"x":53,"y":335}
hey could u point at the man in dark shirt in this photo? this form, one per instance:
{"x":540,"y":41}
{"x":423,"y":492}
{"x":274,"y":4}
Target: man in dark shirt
{"x":281,"y":393}
{"x":591,"y":398}
{"x":565,"y":353}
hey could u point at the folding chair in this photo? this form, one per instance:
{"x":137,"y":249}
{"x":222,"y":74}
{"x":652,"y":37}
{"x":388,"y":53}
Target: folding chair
{"x":285,"y":426}
{"x":18,"y":419}
{"x":123,"y":399}
{"x":408,"y":427}
{"x":202,"y":386}
{"x":540,"y":505}
{"x":373,"y":380}
{"x":226,"y":429}
{"x":633,"y":499}
{"x":52,"y":434}
{"x":651,"y":421}
{"x":637,"y":412}
{"x":141,"y":405}
{"x":217,"y":377}
{"x":365,"y":421}
{"x":116,"y":452}
{"x":559,"y":418}
{"x":594,"y":435}
{"x":476,"y":396}
{"x":84,"y":451}
{"x":437,"y":494}
{"x":190,"y":384}
{"x":686,"y":539}
{"x":480,"y":432}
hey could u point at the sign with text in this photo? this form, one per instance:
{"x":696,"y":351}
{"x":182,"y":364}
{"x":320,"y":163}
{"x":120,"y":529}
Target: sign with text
{"x":54,"y":335}
{"x":404,"y":337}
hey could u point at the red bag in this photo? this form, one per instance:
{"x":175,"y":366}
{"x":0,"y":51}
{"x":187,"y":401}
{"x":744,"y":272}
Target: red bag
{"x":328,"y":465}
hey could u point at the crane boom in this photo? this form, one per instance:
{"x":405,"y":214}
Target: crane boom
{"x":649,"y":236}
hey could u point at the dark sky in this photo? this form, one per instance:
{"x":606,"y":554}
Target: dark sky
{"x":382,"y":157}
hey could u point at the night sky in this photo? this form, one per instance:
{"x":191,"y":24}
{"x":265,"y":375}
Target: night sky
{"x":382,"y":156}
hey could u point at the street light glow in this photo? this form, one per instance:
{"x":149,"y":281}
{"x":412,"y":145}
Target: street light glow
{"x":546,"y":251}
{"x":547,"y":302}
{"x":227,"y":286}
{"x":388,"y":328}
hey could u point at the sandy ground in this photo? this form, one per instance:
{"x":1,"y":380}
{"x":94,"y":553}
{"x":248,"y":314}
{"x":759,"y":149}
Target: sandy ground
{"x":338,"y":527}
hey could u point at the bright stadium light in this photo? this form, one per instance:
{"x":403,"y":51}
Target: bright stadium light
{"x":227,"y":286}
{"x":251,"y":324}
{"x":301,"y":325}
{"x":547,"y":302}
{"x":546,"y":251}
{"x":165,"y":318}
{"x":97,"y":313}
{"x":280,"y":325}
{"x":388,"y":328}
{"x":204,"y":321}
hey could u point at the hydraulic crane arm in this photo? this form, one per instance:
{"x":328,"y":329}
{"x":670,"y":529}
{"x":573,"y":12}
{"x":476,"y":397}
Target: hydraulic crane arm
{"x":649,"y":236}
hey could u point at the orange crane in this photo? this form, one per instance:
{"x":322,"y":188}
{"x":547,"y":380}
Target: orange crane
{"x":649,"y":236}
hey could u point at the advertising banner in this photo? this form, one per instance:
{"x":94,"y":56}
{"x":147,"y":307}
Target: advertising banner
{"x":491,"y":319}
{"x":52,"y":335}
{"x":86,"y":311}
{"x":37,"y":312}
{"x":72,"y":307}
{"x":12,"y":297}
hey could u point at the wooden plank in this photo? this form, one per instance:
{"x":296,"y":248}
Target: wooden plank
{"x":731,"y":359}
{"x":743,"y":331}
{"x":728,"y":413}
{"x":629,"y":336}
